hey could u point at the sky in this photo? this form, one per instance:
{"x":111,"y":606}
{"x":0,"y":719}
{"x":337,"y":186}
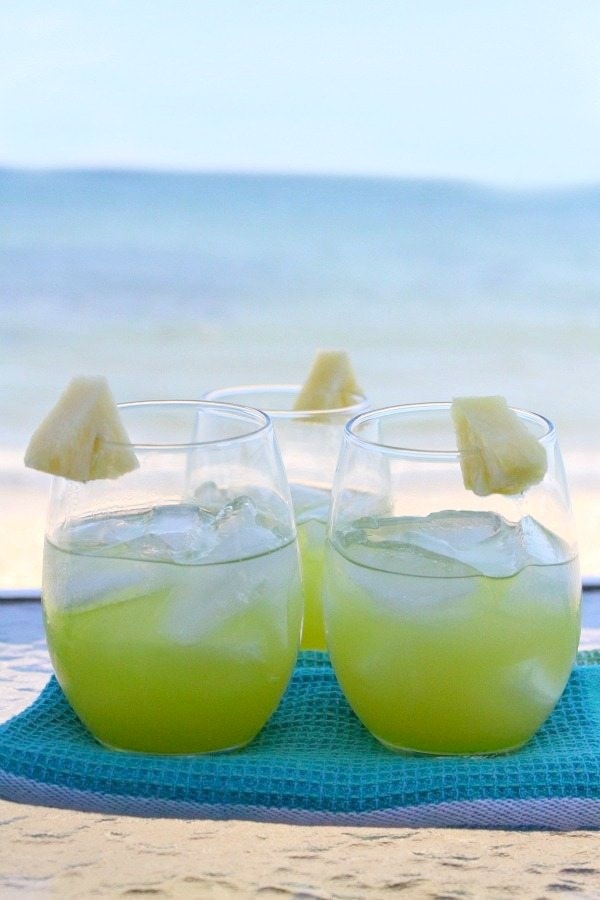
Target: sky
{"x":505,"y":92}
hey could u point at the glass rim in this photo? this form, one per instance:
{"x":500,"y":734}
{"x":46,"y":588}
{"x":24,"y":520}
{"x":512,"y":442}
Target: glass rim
{"x":219,"y":395}
{"x":247,"y":413}
{"x":435,"y":406}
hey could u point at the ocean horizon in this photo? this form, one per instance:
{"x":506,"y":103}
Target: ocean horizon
{"x":171,"y":284}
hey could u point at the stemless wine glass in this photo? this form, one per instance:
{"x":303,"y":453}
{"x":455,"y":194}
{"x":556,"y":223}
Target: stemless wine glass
{"x":172,"y":595}
{"x":310,"y":442}
{"x":452,"y":620}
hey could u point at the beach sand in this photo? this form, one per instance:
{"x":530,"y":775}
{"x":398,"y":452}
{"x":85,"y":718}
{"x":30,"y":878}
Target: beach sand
{"x":56,"y":853}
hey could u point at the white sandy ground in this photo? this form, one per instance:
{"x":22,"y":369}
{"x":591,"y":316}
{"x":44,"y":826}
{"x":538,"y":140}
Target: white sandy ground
{"x":50,"y":853}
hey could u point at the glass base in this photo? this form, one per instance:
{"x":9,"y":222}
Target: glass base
{"x":183,"y":753}
{"x":410,"y":751}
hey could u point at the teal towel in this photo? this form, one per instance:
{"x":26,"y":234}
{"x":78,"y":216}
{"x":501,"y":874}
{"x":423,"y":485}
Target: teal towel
{"x":315,"y":763}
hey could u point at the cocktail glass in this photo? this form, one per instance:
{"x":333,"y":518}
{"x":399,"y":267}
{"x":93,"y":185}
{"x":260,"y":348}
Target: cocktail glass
{"x":172,"y":595}
{"x":310,"y":442}
{"x":452,"y":620}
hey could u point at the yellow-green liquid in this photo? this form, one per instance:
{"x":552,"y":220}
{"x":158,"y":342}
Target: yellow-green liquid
{"x":311,"y":508}
{"x":469,"y":664}
{"x":167,"y":658}
{"x":311,"y":540}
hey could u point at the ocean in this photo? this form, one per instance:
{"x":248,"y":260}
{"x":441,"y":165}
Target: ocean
{"x":173,"y":284}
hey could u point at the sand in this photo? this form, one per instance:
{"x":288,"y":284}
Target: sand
{"x":56,"y":853}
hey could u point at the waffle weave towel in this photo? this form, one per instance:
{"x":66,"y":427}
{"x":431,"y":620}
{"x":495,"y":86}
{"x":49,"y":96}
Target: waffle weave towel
{"x":315,"y":763}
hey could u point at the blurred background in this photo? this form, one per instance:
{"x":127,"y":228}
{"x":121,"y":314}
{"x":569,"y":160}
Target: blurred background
{"x":200,"y":194}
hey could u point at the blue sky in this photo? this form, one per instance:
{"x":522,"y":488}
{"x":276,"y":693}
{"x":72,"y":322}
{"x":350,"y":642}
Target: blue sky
{"x":501,"y":92}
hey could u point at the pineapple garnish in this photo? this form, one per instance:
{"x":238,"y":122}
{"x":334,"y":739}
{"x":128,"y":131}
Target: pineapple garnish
{"x":498,"y":455}
{"x":330,"y":383}
{"x":82,"y":437}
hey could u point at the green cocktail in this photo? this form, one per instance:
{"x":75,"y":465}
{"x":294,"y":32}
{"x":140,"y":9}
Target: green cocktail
{"x":311,"y":507}
{"x":172,"y":594}
{"x":451,"y":654}
{"x":146,"y":647}
{"x":452,"y":617}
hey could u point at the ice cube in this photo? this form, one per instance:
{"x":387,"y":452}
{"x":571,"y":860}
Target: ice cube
{"x":97,"y":582}
{"x":241,"y":507}
{"x":457,"y":529}
{"x":406,"y":581}
{"x":187,"y":533}
{"x":439,"y":544}
{"x":220,"y":604}
{"x":485,"y":541}
{"x":241,"y":532}
{"x":210,"y":497}
{"x":536,"y":682}
{"x":388,"y":544}
{"x":99,"y":534}
{"x":173,"y":533}
{"x":543,"y":547}
{"x":201,"y":601}
{"x":488,"y":542}
{"x":270,"y":509}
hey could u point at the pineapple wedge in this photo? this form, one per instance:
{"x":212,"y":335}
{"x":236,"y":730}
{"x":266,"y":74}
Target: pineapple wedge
{"x":82,"y":437}
{"x":330,"y":384}
{"x":498,"y":455}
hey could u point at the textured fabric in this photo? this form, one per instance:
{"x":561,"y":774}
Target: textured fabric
{"x":314,"y":762}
